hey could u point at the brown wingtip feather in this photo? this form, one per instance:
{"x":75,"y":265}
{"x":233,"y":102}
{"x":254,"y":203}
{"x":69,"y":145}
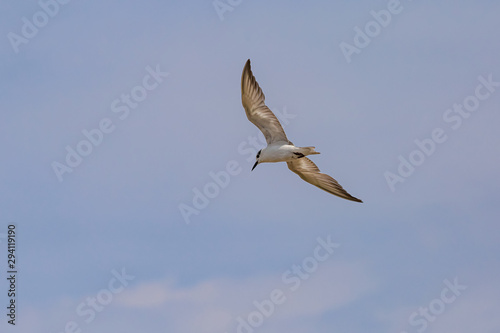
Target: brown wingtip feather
{"x":309,"y":172}
{"x":247,"y":67}
{"x":344,"y":195}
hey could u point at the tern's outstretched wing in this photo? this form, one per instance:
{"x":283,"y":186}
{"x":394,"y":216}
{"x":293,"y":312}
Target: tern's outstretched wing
{"x":257,"y":112}
{"x":309,"y":172}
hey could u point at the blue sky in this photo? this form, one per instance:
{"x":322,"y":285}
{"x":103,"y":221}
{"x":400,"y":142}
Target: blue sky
{"x":106,"y":247}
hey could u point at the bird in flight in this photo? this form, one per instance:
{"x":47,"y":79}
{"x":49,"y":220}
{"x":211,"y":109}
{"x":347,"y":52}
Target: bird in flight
{"x":279,"y":148}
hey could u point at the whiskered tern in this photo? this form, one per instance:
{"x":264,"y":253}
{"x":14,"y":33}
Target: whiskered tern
{"x":279,"y":148}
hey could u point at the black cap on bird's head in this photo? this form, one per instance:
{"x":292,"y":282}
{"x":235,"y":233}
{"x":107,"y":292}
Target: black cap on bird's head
{"x":257,"y":159}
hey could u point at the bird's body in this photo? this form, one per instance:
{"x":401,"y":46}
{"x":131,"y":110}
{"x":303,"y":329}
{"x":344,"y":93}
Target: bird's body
{"x":283,"y":152}
{"x":279,"y":148}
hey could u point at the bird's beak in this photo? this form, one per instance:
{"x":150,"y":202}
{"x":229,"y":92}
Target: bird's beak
{"x":256,"y":162}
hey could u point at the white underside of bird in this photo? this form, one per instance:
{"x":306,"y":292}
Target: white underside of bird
{"x":282,"y":151}
{"x":279,"y":148}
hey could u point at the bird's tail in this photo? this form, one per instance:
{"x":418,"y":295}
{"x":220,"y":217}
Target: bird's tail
{"x":308,"y":150}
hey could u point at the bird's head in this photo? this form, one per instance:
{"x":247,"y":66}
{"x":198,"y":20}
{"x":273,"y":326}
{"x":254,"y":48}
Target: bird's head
{"x":256,"y":159}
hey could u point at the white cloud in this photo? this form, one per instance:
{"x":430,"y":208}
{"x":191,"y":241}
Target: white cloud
{"x":214,"y":305}
{"x":146,"y":295}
